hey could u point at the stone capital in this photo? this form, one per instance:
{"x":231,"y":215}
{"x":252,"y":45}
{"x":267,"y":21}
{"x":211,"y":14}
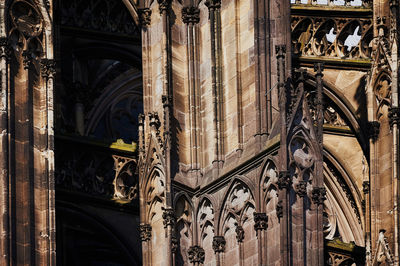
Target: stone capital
{"x":164,"y":5}
{"x":218,"y":244}
{"x":196,"y":254}
{"x":260,"y":221}
{"x":394,"y":115}
{"x":213,"y":4}
{"x":318,"y":195}
{"x":145,"y":232}
{"x":191,"y":14}
{"x":284,"y":180}
{"x":144,"y":16}
{"x":168,"y":217}
{"x":239,"y":233}
{"x":301,"y":188}
{"x":47,"y":67}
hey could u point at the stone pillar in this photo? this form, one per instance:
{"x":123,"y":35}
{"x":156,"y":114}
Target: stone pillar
{"x":218,"y":245}
{"x":261,"y":226}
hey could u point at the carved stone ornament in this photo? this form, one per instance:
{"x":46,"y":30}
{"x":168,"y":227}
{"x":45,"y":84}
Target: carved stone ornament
{"x":365,"y":187}
{"x":174,"y":244}
{"x":279,"y":210}
{"x":308,"y":37}
{"x":373,"y":130}
{"x":218,"y":244}
{"x":5,"y":50}
{"x":213,"y":4}
{"x":27,"y":59}
{"x":239,"y":233}
{"x":260,"y":221}
{"x":301,"y":188}
{"x":284,"y":180}
{"x":26,"y":18}
{"x":168,"y":217}
{"x":394,"y":115}
{"x":48,"y":68}
{"x":196,"y":254}
{"x":145,"y":232}
{"x":191,"y":14}
{"x":164,"y":5}
{"x":145,"y":16}
{"x":318,"y":195}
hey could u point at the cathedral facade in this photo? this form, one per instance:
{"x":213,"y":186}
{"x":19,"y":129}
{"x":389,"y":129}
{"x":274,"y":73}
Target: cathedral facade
{"x":199,"y":132}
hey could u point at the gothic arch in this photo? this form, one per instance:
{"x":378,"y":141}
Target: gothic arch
{"x":345,"y":198}
{"x":184,"y":231}
{"x":238,"y":201}
{"x":359,"y":129}
{"x":269,"y":191}
{"x":154,"y":194}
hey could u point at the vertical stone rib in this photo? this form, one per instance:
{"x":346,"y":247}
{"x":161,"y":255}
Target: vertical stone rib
{"x":283,"y":175}
{"x":164,"y":7}
{"x":238,"y":77}
{"x":4,"y":184}
{"x":216,"y":60}
{"x":318,"y":68}
{"x":190,"y":16}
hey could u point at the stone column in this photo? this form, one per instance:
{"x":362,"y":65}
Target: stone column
{"x":191,"y":17}
{"x":261,"y":226}
{"x":4,"y":173}
{"x":218,"y":245}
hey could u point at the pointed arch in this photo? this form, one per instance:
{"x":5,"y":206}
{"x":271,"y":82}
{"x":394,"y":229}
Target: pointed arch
{"x":238,"y":198}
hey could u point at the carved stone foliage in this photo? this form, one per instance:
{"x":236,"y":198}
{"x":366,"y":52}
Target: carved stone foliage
{"x":196,"y":254}
{"x":145,"y":232}
{"x":98,"y":15}
{"x":328,"y":37}
{"x":239,"y":208}
{"x":219,"y":244}
{"x":126,"y":185}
